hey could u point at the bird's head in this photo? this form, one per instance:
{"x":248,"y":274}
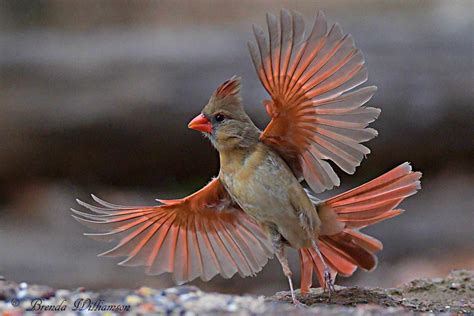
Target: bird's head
{"x":223,"y":119}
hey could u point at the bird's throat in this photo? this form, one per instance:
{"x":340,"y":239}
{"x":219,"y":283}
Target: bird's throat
{"x":233,"y":158}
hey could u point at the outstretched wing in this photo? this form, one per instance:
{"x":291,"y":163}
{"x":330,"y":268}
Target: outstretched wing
{"x":314,"y":114}
{"x":201,"y":235}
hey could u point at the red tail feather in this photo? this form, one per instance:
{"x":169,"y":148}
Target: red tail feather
{"x":365,"y":205}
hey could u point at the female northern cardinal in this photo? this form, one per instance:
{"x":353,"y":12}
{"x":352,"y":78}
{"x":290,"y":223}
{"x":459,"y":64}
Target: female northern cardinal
{"x":257,"y":205}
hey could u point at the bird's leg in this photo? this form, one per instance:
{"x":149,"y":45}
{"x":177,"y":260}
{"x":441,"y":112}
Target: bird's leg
{"x":327,"y":272}
{"x":279,"y":249}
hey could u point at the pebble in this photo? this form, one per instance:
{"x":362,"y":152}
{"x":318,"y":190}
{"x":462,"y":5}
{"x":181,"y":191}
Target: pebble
{"x":190,"y":301}
{"x":133,"y":300}
{"x":171,"y":290}
{"x":62,"y":293}
{"x":22,"y":294}
{"x":147,"y":308}
{"x":454,"y":286}
{"x":189,"y":296}
{"x":145,"y":291}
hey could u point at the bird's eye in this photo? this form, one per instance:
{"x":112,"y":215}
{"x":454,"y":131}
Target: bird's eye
{"x":219,"y":117}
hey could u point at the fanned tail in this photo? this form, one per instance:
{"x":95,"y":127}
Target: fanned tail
{"x":365,"y":205}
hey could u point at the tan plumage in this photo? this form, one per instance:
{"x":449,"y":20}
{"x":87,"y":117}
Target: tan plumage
{"x":257,"y":205}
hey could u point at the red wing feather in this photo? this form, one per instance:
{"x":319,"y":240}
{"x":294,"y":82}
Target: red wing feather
{"x":201,"y":235}
{"x":316,"y":115}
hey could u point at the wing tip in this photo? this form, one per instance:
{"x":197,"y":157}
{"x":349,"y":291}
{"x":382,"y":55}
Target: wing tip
{"x":257,"y":30}
{"x":270,"y":17}
{"x":320,"y":16}
{"x":77,"y":218}
{"x":285,"y":11}
{"x":373,"y":87}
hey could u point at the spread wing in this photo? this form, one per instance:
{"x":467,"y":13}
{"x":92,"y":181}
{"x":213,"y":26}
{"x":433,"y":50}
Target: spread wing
{"x":316,"y":115}
{"x":201,"y":235}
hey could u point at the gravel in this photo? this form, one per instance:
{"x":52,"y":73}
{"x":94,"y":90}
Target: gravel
{"x":452,"y":294}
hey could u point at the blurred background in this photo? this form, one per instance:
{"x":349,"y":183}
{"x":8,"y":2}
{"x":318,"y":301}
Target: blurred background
{"x":95,"y":97}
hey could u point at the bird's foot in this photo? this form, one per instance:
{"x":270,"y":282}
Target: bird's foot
{"x":329,"y":283}
{"x":293,"y":296}
{"x":298,"y":303}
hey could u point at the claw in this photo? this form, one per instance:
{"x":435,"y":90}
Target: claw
{"x":293,"y":296}
{"x":329,"y":284}
{"x":298,"y":304}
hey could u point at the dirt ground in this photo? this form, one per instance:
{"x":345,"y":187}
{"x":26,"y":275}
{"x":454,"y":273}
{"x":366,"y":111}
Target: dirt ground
{"x":452,"y":294}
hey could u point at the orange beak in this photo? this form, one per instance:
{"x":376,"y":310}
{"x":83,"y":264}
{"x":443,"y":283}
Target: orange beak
{"x":200,"y":123}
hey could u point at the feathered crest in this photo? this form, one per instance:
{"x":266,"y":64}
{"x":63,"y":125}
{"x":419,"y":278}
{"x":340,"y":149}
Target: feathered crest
{"x":230,"y":87}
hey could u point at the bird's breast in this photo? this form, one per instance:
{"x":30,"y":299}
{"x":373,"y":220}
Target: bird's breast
{"x":259,"y":185}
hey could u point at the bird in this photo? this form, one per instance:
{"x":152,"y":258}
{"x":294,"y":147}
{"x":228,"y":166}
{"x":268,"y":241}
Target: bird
{"x":263,"y":200}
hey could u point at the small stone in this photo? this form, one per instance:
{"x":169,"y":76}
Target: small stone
{"x":133,"y":300}
{"x":170,"y":306}
{"x":171,"y":290}
{"x":22,"y":294}
{"x":186,"y":289}
{"x":147,"y":308}
{"x":145,"y":291}
{"x":437,"y":280}
{"x":62,"y":293}
{"x":173,"y":296}
{"x":159,"y":298}
{"x":232,"y":307}
{"x":454,"y":286}
{"x":410,"y":305}
{"x":189,"y":296}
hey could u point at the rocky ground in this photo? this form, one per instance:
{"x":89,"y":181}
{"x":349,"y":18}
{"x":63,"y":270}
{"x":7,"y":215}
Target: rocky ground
{"x":452,"y":294}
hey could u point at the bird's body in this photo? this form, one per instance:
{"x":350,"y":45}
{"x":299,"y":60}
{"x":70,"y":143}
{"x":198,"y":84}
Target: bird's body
{"x":262,"y":184}
{"x":257,"y":206}
{"x":256,"y":176}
